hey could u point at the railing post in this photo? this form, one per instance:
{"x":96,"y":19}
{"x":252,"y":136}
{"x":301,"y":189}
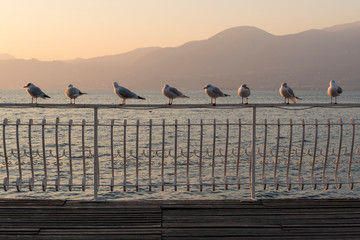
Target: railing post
{"x":96,"y":154}
{"x":253,"y":156}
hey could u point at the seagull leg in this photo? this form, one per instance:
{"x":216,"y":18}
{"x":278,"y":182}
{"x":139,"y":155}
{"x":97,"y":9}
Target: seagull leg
{"x":242,"y":100}
{"x":288,"y":102}
{"x":214,"y":103}
{"x":284,"y":100}
{"x":335,"y":100}
{"x":32,"y":100}
{"x":247,"y":100}
{"x":74,"y":100}
{"x":36,"y":100}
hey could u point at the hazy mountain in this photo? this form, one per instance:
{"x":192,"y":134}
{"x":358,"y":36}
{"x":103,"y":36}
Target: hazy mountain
{"x":5,"y":56}
{"x":306,"y":60}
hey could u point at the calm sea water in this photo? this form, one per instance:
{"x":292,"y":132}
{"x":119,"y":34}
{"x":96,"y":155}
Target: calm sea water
{"x":182,"y":116}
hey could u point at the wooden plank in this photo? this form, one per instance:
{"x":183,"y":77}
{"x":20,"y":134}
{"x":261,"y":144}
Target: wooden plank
{"x":177,"y":219}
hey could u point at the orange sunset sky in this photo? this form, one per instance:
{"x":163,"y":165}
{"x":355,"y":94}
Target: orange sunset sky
{"x":68,"y":29}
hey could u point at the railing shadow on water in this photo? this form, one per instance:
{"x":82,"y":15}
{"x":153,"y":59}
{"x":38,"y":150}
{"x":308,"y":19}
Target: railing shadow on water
{"x":136,"y":155}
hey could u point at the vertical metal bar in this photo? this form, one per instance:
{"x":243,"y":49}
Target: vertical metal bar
{"x":44,"y":184}
{"x":188,"y":158}
{"x":277,"y":155}
{"x":175,"y":155}
{"x":31,"y":180}
{"x":226,"y":155}
{"x":253,"y":156}
{"x":137,"y":154}
{"x":70,"y":157}
{"x":150,"y":152}
{"x":313,"y":178}
{"x":19,"y":180}
{"x":238,"y":157}
{"x":264,"y":154}
{"x":338,"y":178}
{"x":163,"y":156}
{"x":112,"y":155}
{"x":213,"y":158}
{"x":125,"y":160}
{"x":301,"y":179}
{"x":350,"y":178}
{"x":324,"y":178}
{"x":57,"y":182}
{"x":7,"y":179}
{"x":201,"y":152}
{"x":96,"y":155}
{"x":83,"y":154}
{"x":288,"y":178}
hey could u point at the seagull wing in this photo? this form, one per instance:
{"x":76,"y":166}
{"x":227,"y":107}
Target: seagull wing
{"x":74,"y":91}
{"x":339,"y":90}
{"x":126,"y":93}
{"x":291,"y":92}
{"x":36,"y":91}
{"x":217,"y":91}
{"x":176,"y":92}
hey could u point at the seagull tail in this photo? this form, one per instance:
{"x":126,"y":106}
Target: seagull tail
{"x":81,"y":93}
{"x":226,"y":95}
{"x":46,"y":96}
{"x":298,"y":98}
{"x":293,"y":99}
{"x":185,"y":96}
{"x":141,"y":98}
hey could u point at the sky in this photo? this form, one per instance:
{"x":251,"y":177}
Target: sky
{"x":67,"y":29}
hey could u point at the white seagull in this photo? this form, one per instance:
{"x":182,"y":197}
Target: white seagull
{"x":35,"y":92}
{"x":72,"y":93}
{"x":334,"y":91}
{"x":287,"y":93}
{"x":125,"y":93}
{"x":214,"y":92}
{"x":244,"y":92}
{"x":172,"y":93}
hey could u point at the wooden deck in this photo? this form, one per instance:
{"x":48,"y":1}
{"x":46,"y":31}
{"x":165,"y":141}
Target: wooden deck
{"x":202,"y":219}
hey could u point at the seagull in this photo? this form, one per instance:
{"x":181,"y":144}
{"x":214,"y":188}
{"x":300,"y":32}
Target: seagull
{"x":172,"y":93}
{"x":72,"y":93}
{"x":334,"y":91}
{"x":244,"y":92}
{"x":287,"y":93}
{"x":214,"y":92}
{"x":125,"y":93}
{"x":35,"y":92}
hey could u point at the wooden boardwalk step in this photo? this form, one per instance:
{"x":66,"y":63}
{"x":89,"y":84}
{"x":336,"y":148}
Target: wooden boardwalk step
{"x":181,"y":219}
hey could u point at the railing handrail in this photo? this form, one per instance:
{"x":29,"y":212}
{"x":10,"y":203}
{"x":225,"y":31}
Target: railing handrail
{"x":177,"y":106}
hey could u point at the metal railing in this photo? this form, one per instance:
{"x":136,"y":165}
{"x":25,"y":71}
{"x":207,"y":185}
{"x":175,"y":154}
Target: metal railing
{"x":130,"y":153}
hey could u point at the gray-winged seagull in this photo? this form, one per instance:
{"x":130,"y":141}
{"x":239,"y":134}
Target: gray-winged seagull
{"x":125,"y":93}
{"x":287,"y":93}
{"x":214,"y":92}
{"x":333,"y":91}
{"x":172,"y":93}
{"x":72,"y":93}
{"x":244,"y":92}
{"x":35,"y":92}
